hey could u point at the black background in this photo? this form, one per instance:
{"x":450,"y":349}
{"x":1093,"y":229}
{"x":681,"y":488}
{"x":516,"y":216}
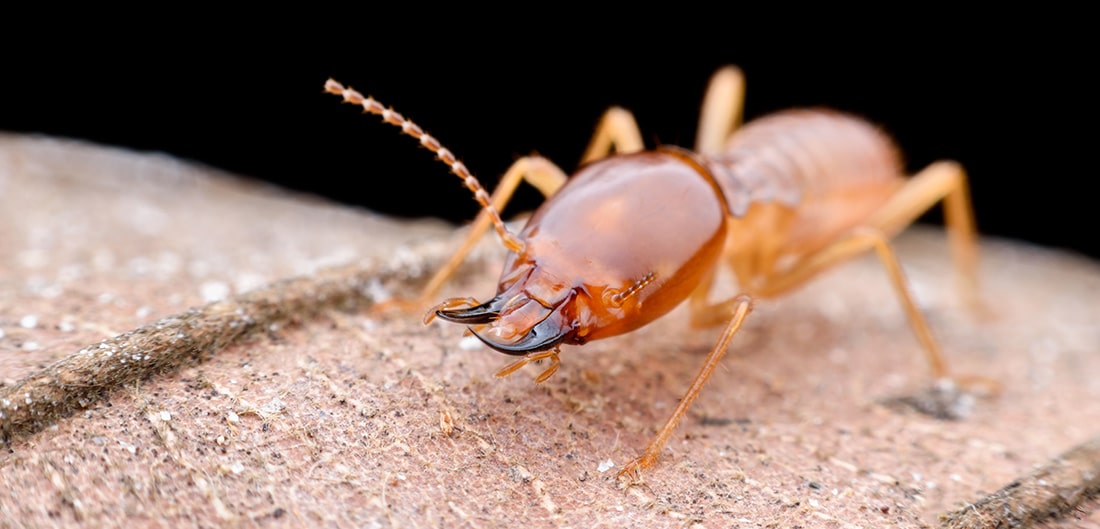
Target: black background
{"x":1016,"y":113}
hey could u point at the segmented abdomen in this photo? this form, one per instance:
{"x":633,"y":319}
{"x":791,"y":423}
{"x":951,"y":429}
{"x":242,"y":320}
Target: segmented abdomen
{"x":797,"y":156}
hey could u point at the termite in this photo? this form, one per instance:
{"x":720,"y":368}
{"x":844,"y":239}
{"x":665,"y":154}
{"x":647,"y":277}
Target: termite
{"x":634,"y":233}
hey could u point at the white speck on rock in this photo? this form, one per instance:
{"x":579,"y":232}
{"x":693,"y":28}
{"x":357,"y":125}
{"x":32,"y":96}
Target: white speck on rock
{"x":470,"y":343}
{"x":377,"y":292}
{"x":605,"y":466}
{"x":214,"y":291}
{"x":247,"y":281}
{"x":29,"y":321}
{"x":168,"y":264}
{"x":235,"y":468}
{"x":165,"y":416}
{"x":140,"y":266}
{"x":50,"y":290}
{"x":275,"y":406}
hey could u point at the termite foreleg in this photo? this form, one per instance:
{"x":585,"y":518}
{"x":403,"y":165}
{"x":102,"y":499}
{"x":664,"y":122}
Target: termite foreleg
{"x":741,"y":306}
{"x":541,"y":173}
{"x":721,"y":112}
{"x":537,"y":171}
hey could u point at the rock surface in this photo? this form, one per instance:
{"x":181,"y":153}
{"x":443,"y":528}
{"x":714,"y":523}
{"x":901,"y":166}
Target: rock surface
{"x":288,"y":402}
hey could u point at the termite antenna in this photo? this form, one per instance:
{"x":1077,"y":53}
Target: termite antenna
{"x":371,"y":106}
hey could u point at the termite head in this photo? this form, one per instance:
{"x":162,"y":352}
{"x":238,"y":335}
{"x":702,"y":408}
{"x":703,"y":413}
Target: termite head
{"x":622,"y":243}
{"x":596,"y":262}
{"x":516,"y":322}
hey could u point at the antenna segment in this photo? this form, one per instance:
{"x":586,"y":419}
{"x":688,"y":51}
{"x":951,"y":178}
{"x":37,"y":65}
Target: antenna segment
{"x":371,"y":106}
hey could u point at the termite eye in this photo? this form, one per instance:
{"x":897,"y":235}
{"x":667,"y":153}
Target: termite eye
{"x":612,"y":297}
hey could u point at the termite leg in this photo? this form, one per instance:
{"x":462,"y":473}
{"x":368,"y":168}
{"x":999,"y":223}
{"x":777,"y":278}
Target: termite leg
{"x":858,"y":242}
{"x":720,"y":116}
{"x":741,"y":306}
{"x":537,"y":171}
{"x":707,"y":314}
{"x":721,"y":112}
{"x":944,"y":181}
{"x":618,"y":131}
{"x":552,"y":354}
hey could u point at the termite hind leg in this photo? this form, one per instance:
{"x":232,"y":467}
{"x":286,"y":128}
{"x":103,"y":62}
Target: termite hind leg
{"x":537,"y":171}
{"x":617,"y":131}
{"x":741,"y":306}
{"x":552,"y":354}
{"x":857,"y":242}
{"x":944,"y":181}
{"x":721,"y":111}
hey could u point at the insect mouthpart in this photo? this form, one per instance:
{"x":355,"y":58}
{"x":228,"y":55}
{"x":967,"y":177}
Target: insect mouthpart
{"x":546,"y":335}
{"x":485,"y":313}
{"x":514,"y":325}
